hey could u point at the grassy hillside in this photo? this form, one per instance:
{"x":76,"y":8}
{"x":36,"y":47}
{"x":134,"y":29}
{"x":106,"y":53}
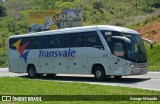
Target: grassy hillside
{"x":153,"y":56}
{"x":114,"y":12}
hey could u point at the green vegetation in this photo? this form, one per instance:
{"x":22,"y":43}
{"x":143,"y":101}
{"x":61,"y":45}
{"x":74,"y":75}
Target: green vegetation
{"x":24,"y":86}
{"x":2,"y":11}
{"x":128,"y":13}
{"x":154,"y":57}
{"x":136,"y":22}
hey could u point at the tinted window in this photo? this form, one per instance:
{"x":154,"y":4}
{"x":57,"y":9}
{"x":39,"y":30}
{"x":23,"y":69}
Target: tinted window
{"x":31,"y":41}
{"x":74,"y":40}
{"x":24,"y":40}
{"x":77,"y":40}
{"x":56,"y":41}
{"x":31,"y":44}
{"x":37,"y":42}
{"x":118,"y":49}
{"x":12,"y":41}
{"x":67,"y":40}
{"x":92,"y":40}
{"x":42,"y":42}
{"x":87,"y":39}
{"x":108,"y":36}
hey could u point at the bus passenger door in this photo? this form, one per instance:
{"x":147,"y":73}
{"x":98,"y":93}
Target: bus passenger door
{"x":117,"y":62}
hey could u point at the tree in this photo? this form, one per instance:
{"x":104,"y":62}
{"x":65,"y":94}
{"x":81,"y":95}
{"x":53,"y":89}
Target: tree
{"x":2,"y":11}
{"x":98,"y":4}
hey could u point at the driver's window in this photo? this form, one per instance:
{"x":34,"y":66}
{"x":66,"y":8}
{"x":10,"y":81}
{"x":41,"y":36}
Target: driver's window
{"x":118,"y":49}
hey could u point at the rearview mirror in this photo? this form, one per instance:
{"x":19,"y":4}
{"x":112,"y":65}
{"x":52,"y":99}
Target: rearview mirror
{"x":149,"y":41}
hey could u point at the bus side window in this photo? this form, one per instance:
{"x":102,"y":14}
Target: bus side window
{"x":77,"y":40}
{"x":107,"y":34}
{"x":32,"y":42}
{"x":74,"y":40}
{"x":56,"y":41}
{"x":52,"y":42}
{"x":36,"y":43}
{"x":59,"y":41}
{"x":43,"y":42}
{"x":68,"y":40}
{"x":92,"y":40}
{"x":12,"y":41}
{"x":118,"y":49}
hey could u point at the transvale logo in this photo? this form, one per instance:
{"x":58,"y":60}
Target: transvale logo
{"x":21,"y":49}
{"x":42,"y":53}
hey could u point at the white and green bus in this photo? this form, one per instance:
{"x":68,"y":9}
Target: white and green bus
{"x":101,"y":50}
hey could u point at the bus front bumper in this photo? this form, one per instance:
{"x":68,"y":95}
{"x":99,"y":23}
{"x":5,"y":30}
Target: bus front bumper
{"x":139,"y":68}
{"x":139,"y":71}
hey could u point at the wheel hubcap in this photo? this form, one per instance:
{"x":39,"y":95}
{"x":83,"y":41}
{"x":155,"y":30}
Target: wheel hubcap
{"x":98,"y":73}
{"x":32,"y":72}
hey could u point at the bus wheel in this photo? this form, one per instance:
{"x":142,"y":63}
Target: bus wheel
{"x":32,"y":72}
{"x":117,"y":77}
{"x":50,"y":75}
{"x":99,"y":73}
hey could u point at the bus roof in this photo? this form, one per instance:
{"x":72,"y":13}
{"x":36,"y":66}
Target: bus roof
{"x":79,"y":29}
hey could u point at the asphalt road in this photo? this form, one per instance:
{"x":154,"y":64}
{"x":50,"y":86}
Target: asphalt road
{"x":149,"y":81}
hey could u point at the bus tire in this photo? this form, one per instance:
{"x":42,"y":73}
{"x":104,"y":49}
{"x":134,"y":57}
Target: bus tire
{"x":99,"y":73}
{"x":50,"y":75}
{"x":32,"y":72}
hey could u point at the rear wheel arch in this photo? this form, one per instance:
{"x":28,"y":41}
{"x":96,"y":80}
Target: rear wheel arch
{"x":96,"y":65}
{"x":30,"y":65}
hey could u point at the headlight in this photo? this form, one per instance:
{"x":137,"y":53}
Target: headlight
{"x":132,"y":66}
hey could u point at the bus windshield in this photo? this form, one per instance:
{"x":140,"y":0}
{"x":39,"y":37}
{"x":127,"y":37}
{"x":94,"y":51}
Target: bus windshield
{"x":136,"y":52}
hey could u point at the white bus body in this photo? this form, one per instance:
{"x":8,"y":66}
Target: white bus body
{"x":101,"y":50}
